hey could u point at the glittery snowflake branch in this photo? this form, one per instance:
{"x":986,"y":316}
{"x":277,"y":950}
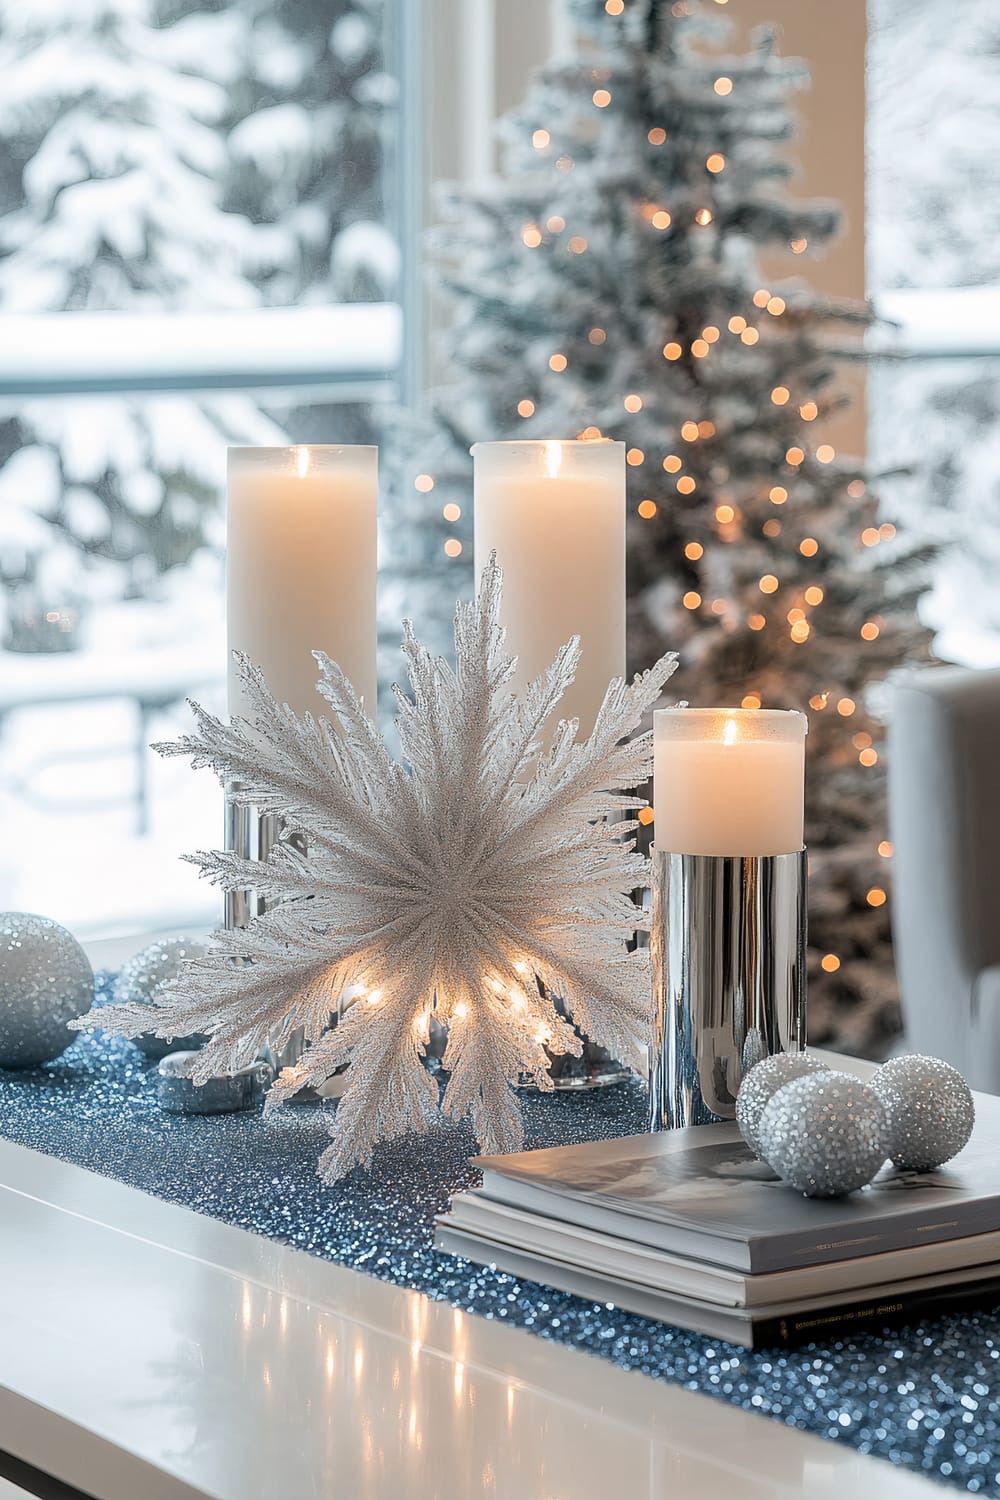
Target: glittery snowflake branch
{"x":470,"y":881}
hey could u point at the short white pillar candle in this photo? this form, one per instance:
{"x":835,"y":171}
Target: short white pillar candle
{"x":301,"y":565}
{"x":554,"y":513}
{"x":728,"y":781}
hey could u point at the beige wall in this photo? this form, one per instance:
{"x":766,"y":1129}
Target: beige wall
{"x":830,"y":36}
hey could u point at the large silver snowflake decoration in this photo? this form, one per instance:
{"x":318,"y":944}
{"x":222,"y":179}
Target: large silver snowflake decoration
{"x":468,"y":882}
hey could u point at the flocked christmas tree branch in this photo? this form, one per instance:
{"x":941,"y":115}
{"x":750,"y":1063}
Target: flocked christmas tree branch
{"x":444,"y":884}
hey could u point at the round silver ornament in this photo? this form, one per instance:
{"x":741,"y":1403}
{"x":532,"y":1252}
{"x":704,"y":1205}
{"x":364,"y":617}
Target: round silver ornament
{"x":761,"y":1084}
{"x":825,"y":1134}
{"x":144,"y":976}
{"x":45,"y":981}
{"x":930,"y":1109}
{"x":178,"y":1095}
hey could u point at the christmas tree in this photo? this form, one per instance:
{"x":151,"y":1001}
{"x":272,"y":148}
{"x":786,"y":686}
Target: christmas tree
{"x":608,"y":285}
{"x":111,"y":200}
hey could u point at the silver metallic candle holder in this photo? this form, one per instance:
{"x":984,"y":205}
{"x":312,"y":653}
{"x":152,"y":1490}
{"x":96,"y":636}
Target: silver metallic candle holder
{"x":728,"y":948}
{"x":252,"y":835}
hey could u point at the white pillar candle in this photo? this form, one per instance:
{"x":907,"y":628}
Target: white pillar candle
{"x":300,"y":568}
{"x":728,"y":780}
{"x":554,"y":513}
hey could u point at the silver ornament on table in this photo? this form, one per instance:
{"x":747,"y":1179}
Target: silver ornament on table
{"x":45,"y":980}
{"x":178,"y":1094}
{"x":825,"y":1134}
{"x":762,"y":1082}
{"x":146,"y":975}
{"x":930,"y":1110}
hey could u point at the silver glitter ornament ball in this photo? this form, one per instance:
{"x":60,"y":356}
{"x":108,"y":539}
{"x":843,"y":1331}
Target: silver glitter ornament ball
{"x":45,"y":981}
{"x":143,"y":978}
{"x":930,"y":1110}
{"x":825,"y":1134}
{"x":761,"y":1084}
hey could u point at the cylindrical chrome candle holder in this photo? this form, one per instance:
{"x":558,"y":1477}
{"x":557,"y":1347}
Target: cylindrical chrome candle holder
{"x":728,"y":935}
{"x":537,"y":501}
{"x":301,"y":563}
{"x":728,"y":948}
{"x":252,"y":835}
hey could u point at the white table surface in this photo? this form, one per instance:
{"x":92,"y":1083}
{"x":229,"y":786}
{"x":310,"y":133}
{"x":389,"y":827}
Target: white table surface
{"x":150,"y":1353}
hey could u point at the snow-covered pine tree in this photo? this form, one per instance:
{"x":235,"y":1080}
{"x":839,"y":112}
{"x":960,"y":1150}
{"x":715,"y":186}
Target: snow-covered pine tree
{"x":609,"y":285}
{"x":111,"y":200}
{"x":312,"y":125}
{"x":312,"y":114}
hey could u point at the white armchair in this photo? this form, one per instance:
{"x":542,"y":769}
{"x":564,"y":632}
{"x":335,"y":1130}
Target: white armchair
{"x":944,"y":822}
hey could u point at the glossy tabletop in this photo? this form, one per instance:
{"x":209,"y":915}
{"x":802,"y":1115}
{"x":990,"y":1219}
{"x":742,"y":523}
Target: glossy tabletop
{"x":147,"y":1351}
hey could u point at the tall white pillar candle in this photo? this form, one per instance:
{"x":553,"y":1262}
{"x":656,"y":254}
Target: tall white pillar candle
{"x":301,"y":566}
{"x":728,"y":780}
{"x":554,"y":513}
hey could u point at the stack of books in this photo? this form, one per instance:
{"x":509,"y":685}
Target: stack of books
{"x":687,"y":1227}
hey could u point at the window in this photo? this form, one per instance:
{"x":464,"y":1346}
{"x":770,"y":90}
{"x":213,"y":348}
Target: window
{"x":934,"y":274}
{"x":199,"y":245}
{"x":210,"y":216}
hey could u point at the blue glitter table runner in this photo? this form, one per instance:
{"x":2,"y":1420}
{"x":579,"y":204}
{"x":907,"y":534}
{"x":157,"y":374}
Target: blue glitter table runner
{"x":925,"y":1396}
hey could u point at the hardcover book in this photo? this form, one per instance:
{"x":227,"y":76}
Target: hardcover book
{"x":700,"y":1194}
{"x":688,"y":1227}
{"x":497,"y":1224}
{"x":768,"y":1327}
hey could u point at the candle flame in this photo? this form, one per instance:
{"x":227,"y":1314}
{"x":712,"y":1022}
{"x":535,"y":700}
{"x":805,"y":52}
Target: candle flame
{"x":729,"y":733}
{"x":553,"y":459}
{"x":302,"y":462}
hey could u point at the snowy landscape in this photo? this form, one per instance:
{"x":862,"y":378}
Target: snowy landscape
{"x":94,"y":823}
{"x":191,"y":198}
